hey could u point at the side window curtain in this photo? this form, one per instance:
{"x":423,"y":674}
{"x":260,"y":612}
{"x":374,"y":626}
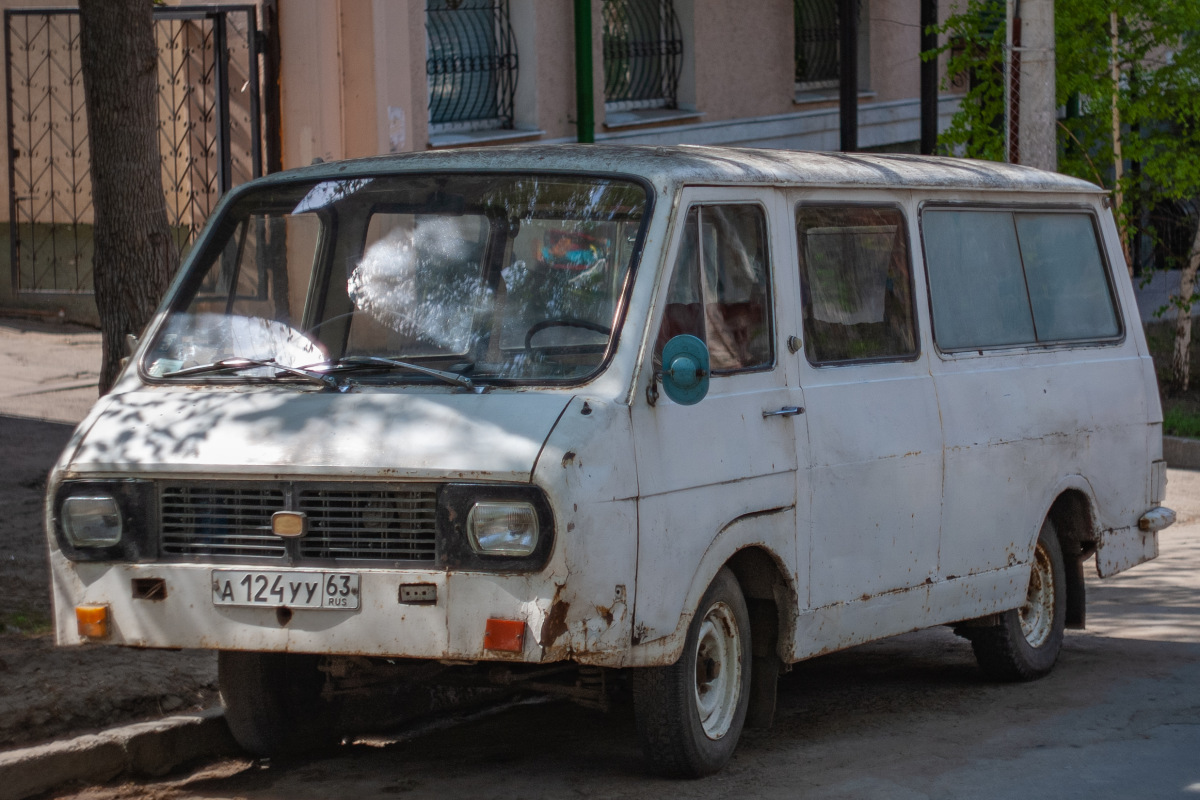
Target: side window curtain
{"x":1003,"y":279}
{"x":856,"y":278}
{"x":720,"y":287}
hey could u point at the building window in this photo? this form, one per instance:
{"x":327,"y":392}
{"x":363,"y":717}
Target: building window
{"x":818,"y":64}
{"x":471,"y":64}
{"x":643,"y":54}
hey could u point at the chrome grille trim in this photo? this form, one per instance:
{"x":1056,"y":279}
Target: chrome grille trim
{"x":199,"y":520}
{"x":379,"y":524}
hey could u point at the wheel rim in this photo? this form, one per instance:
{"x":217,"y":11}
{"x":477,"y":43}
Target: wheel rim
{"x":718,"y":670}
{"x":1037,"y":615}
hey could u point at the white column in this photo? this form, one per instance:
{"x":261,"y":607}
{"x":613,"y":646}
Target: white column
{"x":1038,"y":120}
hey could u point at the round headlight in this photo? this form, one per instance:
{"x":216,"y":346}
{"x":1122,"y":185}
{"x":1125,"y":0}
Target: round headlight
{"x":92,"y":520}
{"x":502,"y":529}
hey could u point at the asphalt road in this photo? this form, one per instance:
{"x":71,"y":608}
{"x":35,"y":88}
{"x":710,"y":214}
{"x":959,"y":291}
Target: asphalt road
{"x":908,"y":717}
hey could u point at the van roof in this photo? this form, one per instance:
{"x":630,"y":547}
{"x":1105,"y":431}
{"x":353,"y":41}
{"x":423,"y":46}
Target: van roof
{"x":690,"y":164}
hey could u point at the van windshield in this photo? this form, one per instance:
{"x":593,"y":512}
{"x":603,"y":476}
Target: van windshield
{"x":454,"y":278}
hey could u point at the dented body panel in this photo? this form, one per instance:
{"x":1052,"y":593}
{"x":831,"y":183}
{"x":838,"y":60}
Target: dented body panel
{"x":854,"y":500}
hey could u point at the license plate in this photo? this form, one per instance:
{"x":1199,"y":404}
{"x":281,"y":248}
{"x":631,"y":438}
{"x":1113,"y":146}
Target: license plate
{"x":271,"y":588}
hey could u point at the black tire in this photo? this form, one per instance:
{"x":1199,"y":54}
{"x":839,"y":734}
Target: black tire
{"x":273,"y":702}
{"x":681,"y":733}
{"x":1026,"y":642}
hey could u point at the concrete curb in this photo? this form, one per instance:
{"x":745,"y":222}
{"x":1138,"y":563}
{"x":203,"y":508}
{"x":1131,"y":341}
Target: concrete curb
{"x":1181,"y":453}
{"x":145,"y":748}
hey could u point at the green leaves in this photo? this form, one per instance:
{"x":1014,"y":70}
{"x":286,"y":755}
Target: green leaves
{"x":1158,"y":90}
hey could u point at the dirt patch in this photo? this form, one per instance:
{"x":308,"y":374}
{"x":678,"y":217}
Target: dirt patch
{"x":50,"y":692}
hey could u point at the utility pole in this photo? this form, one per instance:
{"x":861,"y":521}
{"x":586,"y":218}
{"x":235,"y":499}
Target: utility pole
{"x":848,"y":74}
{"x":929,"y":76}
{"x":1032,"y":26}
{"x":585,"y":115}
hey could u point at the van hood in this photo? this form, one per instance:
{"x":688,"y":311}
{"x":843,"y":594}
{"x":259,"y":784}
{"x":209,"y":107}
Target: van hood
{"x":393,"y":434}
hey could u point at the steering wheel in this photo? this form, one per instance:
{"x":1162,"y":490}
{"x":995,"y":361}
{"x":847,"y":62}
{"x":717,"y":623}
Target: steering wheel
{"x":564,"y":322}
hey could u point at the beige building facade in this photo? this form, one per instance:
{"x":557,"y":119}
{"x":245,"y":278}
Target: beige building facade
{"x":365,"y":77}
{"x":354,"y":79}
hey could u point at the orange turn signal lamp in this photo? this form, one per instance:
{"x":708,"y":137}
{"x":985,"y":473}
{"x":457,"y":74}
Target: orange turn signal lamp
{"x":504,"y":634}
{"x":92,"y":621}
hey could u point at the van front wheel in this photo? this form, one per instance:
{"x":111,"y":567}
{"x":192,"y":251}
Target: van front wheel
{"x":1025,"y":643}
{"x":273,"y":702}
{"x":690,"y":714}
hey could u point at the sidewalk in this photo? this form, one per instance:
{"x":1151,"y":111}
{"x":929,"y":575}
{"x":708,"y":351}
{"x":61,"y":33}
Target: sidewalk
{"x":50,"y":370}
{"x":52,"y":694}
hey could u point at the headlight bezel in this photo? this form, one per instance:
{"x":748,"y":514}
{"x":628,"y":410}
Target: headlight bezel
{"x":455,"y":502}
{"x":136,"y":503}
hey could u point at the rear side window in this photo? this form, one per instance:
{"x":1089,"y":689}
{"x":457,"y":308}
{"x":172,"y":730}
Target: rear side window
{"x":857,"y":284}
{"x":1003,"y":278}
{"x":720,"y":289}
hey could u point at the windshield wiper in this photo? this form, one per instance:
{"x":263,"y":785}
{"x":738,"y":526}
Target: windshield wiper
{"x":239,"y":363}
{"x":350,"y":363}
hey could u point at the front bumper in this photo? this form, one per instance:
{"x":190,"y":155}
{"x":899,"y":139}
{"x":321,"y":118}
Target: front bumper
{"x":452,"y":627}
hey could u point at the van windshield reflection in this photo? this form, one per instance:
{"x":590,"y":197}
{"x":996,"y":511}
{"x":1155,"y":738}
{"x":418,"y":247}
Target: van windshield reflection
{"x":427,"y":278}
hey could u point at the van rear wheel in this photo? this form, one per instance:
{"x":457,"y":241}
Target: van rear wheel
{"x":273,"y":702}
{"x":1026,"y":642}
{"x":690,"y":714}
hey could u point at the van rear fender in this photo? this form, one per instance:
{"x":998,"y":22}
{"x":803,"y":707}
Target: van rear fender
{"x":1073,"y":514}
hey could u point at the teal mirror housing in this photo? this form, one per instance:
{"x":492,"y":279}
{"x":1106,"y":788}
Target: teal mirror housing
{"x":685,"y":369}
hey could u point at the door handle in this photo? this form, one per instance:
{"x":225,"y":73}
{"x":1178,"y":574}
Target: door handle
{"x":786,"y":411}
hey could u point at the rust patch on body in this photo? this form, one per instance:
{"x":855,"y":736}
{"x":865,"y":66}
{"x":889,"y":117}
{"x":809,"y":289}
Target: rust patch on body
{"x":605,"y":614}
{"x":556,"y":621}
{"x":567,"y":458}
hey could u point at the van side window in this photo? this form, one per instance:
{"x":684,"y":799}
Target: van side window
{"x":1068,"y":288}
{"x":719,"y":291}
{"x":856,"y":278}
{"x":1003,"y":278}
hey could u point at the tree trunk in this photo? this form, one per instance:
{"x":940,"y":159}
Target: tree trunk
{"x":1180,"y":359}
{"x":134,"y":254}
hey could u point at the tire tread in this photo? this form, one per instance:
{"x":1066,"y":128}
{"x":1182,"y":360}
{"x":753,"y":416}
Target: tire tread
{"x":1001,"y":650}
{"x":662,"y":699}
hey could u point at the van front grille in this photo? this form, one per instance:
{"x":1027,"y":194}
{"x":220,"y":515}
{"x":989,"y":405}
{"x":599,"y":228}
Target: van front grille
{"x":345,"y":522}
{"x":375,"y":524}
{"x":200,"y":520}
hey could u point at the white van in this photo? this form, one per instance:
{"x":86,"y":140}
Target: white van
{"x":693,"y":414}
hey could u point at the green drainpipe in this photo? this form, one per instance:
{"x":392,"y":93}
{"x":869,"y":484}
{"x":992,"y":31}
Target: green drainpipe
{"x":585,"y":123}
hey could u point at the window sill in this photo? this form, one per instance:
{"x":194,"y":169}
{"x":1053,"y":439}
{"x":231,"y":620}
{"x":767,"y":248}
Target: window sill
{"x":618,"y":120}
{"x":808,"y":96}
{"x":475,"y":138}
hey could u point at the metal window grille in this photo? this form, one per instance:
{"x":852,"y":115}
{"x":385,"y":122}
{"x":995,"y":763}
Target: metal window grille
{"x":643,"y":54}
{"x":818,"y":62}
{"x":471,"y":64}
{"x":209,"y":132}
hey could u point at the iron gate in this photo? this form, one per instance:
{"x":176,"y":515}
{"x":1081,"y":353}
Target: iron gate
{"x":209,"y":122}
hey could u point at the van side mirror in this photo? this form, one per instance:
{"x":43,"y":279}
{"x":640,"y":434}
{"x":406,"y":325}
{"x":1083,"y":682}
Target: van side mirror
{"x":685,"y":369}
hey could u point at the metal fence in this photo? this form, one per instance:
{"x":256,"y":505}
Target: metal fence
{"x":471,"y":64}
{"x":643,"y":54}
{"x":209,"y":132}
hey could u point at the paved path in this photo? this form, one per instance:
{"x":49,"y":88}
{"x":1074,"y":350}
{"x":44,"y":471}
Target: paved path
{"x":50,"y":370}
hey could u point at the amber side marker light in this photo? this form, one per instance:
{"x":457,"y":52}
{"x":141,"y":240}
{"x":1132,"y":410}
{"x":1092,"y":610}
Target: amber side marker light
{"x":504,"y":634}
{"x":92,"y":621}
